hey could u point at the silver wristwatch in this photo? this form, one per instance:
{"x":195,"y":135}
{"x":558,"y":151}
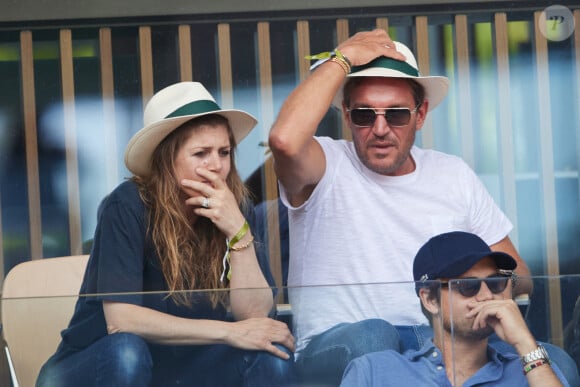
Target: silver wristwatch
{"x":536,"y":354}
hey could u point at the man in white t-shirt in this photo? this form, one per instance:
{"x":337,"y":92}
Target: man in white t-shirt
{"x":360,"y":210}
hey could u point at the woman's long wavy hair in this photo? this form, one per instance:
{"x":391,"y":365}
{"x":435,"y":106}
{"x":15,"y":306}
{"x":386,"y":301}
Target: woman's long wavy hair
{"x":190,"y":253}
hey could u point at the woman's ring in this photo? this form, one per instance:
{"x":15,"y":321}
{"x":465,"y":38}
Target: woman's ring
{"x":205,"y":203}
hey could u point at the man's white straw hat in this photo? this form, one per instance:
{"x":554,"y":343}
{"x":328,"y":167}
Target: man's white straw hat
{"x":435,"y":86}
{"x":167,"y":110}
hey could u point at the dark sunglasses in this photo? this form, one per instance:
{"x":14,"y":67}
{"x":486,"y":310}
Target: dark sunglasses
{"x":469,"y":287}
{"x":365,"y":117}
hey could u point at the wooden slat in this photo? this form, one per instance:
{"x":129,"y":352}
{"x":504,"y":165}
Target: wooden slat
{"x":270,"y":184}
{"x":70,"y":140}
{"x":108,"y":91}
{"x":185,"y":66}
{"x":31,"y":138}
{"x":265,"y":74}
{"x":547,"y":180}
{"x":382,"y":22}
{"x":506,"y":131}
{"x":422,"y":32}
{"x":342,"y":35}
{"x":303,"y":48}
{"x":225,"y":70}
{"x":464,"y":84}
{"x":146,"y":59}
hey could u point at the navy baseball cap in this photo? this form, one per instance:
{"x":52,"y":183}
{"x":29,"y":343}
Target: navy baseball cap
{"x":451,"y":254}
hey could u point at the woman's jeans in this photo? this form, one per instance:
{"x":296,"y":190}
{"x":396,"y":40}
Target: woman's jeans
{"x":125,"y":359}
{"x":324,"y":359}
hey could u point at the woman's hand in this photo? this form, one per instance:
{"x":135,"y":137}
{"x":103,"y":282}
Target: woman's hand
{"x":260,"y":334}
{"x":220,"y":207}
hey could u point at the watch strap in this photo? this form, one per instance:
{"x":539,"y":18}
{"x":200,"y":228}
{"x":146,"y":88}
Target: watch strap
{"x":537,"y":354}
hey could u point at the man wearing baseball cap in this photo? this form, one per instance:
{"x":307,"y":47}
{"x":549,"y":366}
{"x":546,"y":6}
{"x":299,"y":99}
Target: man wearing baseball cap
{"x":465,"y":291}
{"x":359,"y":210}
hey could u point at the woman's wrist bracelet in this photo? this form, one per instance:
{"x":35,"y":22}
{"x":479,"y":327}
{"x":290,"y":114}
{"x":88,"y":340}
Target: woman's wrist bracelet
{"x":239,"y":235}
{"x":244,"y":246}
{"x":230,"y":243}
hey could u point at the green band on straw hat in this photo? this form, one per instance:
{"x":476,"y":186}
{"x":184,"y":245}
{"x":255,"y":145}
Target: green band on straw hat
{"x":196,"y":107}
{"x":388,"y":63}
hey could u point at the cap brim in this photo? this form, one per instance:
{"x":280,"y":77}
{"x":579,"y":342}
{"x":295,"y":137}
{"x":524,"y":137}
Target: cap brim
{"x":502,"y":260}
{"x":141,"y":146}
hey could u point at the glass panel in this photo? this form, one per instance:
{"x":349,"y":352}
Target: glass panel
{"x":319,"y":307}
{"x":326,"y":306}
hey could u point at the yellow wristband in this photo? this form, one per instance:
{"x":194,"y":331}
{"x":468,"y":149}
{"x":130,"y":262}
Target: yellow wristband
{"x":227,"y":267}
{"x":239,"y":235}
{"x":344,"y":58}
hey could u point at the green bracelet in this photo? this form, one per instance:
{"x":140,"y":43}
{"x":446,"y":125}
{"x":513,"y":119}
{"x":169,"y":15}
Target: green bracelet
{"x":240,"y":234}
{"x":227,"y":267}
{"x":328,"y":55}
{"x":344,"y":58}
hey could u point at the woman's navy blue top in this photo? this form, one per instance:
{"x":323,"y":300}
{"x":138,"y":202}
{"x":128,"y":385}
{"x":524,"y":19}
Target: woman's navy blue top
{"x":123,"y":261}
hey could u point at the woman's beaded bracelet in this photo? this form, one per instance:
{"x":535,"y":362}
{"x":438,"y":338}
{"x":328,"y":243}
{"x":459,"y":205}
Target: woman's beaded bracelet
{"x":230,"y":246}
{"x":244,"y":246}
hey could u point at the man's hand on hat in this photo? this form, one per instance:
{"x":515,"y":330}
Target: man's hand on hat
{"x":505,"y":318}
{"x":363,"y":47}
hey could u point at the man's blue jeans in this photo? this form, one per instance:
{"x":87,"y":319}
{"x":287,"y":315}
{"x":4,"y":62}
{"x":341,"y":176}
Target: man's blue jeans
{"x":124,"y":359}
{"x":324,"y":359}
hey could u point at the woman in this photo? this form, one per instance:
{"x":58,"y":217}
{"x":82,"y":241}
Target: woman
{"x":176,"y":225}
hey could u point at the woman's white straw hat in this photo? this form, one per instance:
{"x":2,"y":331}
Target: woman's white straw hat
{"x":435,"y":86}
{"x":167,"y":110}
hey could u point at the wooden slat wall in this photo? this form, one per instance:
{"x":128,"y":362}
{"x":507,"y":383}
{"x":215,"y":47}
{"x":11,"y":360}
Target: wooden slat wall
{"x":303,"y":48}
{"x":547,"y":179}
{"x":146,"y":60}
{"x":270,"y":186}
{"x":422,"y":54}
{"x":30,"y":132}
{"x":225,"y":70}
{"x":72,"y":167}
{"x":342,"y":34}
{"x":108,"y":93}
{"x":464,"y":87}
{"x":185,"y":53}
{"x":506,"y":132}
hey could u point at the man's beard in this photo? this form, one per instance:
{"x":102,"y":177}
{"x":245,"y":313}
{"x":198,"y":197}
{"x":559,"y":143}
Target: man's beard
{"x":396,"y":164}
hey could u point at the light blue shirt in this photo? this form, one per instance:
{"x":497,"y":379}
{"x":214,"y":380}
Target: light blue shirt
{"x":425,"y":368}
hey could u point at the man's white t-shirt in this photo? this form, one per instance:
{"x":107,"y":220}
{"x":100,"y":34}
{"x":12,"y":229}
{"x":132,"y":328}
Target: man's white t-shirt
{"x":359,"y":227}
